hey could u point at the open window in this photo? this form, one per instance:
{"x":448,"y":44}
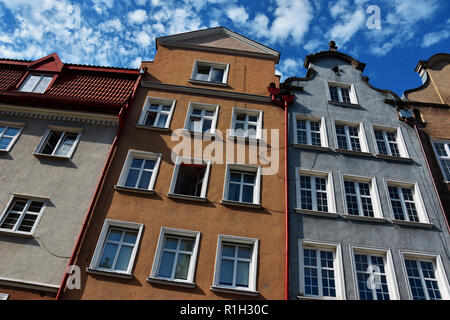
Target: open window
{"x":59,"y":142}
{"x":190,"y":178}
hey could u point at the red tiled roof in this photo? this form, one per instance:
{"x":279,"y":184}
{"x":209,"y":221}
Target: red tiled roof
{"x":9,"y":76}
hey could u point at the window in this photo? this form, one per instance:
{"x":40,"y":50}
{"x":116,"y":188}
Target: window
{"x":236,"y":263}
{"x":210,"y":72}
{"x":157,"y":113}
{"x":201,"y":118}
{"x":116,"y":248}
{"x":374,"y":273}
{"x":425,"y":276}
{"x":8,"y":135}
{"x":4,"y":296}
{"x":190,"y":178}
{"x":58,"y":142}
{"x":310,"y":131}
{"x":176,"y":256}
{"x":22,"y":214}
{"x":406,"y":203}
{"x":361,"y":196}
{"x":442,"y":151}
{"x":246,"y":123}
{"x":314,"y":191}
{"x":390,"y":142}
{"x":36,"y":83}
{"x":140,"y":170}
{"x":344,"y":93}
{"x":321,"y":273}
{"x":242,"y":184}
{"x":350,"y":136}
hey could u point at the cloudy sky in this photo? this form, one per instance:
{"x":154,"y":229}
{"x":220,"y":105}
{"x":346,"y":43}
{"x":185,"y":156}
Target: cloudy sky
{"x":122,"y":32}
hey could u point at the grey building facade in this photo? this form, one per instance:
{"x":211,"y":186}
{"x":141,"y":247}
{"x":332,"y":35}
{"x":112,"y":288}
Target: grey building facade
{"x":364,"y":219}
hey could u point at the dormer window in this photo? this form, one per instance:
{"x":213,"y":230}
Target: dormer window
{"x":36,"y":83}
{"x":210,"y":72}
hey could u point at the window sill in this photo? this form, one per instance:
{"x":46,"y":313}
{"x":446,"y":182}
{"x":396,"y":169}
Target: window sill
{"x":317,"y":213}
{"x":413,"y":223}
{"x":109,"y":273}
{"x":186,"y":197}
{"x":141,"y":126}
{"x":16,"y":233}
{"x":364,"y":218}
{"x":344,"y":104}
{"x":307,"y":146}
{"x":400,"y":159}
{"x":195,"y":133}
{"x":316,"y":298}
{"x":235,"y":291}
{"x":4,"y":151}
{"x":246,"y":138}
{"x":356,"y":153}
{"x":133,"y":190}
{"x":208,"y":83}
{"x":171,"y":282}
{"x":240,"y":204}
{"x":42,"y":155}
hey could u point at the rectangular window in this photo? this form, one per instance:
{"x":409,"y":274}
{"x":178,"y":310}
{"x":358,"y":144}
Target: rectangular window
{"x":190,"y":178}
{"x":210,"y":72}
{"x":116,"y":248}
{"x":313,"y":193}
{"x":242,"y":184}
{"x":442,"y":151}
{"x":310,"y":131}
{"x":338,"y":92}
{"x":371,"y":277}
{"x":157,"y":113}
{"x":176,"y":255}
{"x":8,"y":135}
{"x":37,"y":83}
{"x":201,"y":118}
{"x":358,"y":198}
{"x":60,"y":143}
{"x":246,"y":123}
{"x":406,"y":202}
{"x":387,"y":143}
{"x":4,"y":296}
{"x":139,"y":170}
{"x":348,"y":137}
{"x":236,"y":262}
{"x":22,"y":215}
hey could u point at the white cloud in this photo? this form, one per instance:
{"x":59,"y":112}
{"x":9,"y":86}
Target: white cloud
{"x":312,"y":45}
{"x":237,"y":14}
{"x":143,"y":39}
{"x":339,"y":8}
{"x":434,"y":37}
{"x":415,"y":10}
{"x":137,"y":16}
{"x":352,"y":22}
{"x":290,"y":67}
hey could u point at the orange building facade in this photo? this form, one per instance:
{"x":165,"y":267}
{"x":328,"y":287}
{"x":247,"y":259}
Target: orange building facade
{"x":192,"y":206}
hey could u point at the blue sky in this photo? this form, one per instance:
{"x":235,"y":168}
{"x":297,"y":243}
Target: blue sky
{"x":121,"y":32}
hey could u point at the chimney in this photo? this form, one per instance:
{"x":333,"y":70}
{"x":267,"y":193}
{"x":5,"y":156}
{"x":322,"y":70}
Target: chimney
{"x":332,"y":45}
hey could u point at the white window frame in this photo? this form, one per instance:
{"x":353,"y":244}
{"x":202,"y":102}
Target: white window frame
{"x":243,"y":168}
{"x":217,"y":65}
{"x":11,"y":125}
{"x":338,"y":267}
{"x":29,"y":199}
{"x":439,"y":271}
{"x":323,"y":129}
{"x":391,"y":279}
{"x":418,"y":201}
{"x":161,"y":102}
{"x":110,"y":223}
{"x":328,"y":176}
{"x":252,"y":275}
{"x":4,"y":296}
{"x":438,"y":157}
{"x":176,"y":169}
{"x":165,"y":231}
{"x":361,"y":135}
{"x":374,"y":196}
{"x":196,"y":105}
{"x":42,"y":76}
{"x":127,"y":165}
{"x":64,"y":130}
{"x":246,"y":112}
{"x":351,"y":90}
{"x":401,"y":145}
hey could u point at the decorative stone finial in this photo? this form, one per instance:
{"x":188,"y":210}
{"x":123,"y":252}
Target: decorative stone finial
{"x":332,"y":45}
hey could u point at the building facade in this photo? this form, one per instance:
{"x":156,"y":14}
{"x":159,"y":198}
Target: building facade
{"x":429,"y":105}
{"x":57,"y":124}
{"x":364,"y":218}
{"x":191,"y":206}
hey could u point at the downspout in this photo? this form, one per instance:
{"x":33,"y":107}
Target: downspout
{"x":286,"y":201}
{"x":122,"y":117}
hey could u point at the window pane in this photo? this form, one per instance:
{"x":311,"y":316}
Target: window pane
{"x":182,"y":268}
{"x":11,"y":132}
{"x":66,"y":145}
{"x":242,"y":272}
{"x":228,"y":251}
{"x":171,"y":243}
{"x":52,"y":141}
{"x":247,"y":193}
{"x":132,"y":178}
{"x":226,"y":272}
{"x":345,"y":95}
{"x":136,"y":163}
{"x":150,"y":120}
{"x":108,"y":255}
{"x":114,"y":235}
{"x":217,"y":75}
{"x":186,"y":245}
{"x":130,"y":237}
{"x":235,"y":177}
{"x":162,"y":120}
{"x":166,"y":265}
{"x":35,"y":206}
{"x":334,"y":94}
{"x":202,"y":73}
{"x":124,"y":258}
{"x":43,"y":84}
{"x":244,"y":252}
{"x":233,"y":192}
{"x":207,"y":125}
{"x":144,"y":182}
{"x":30,"y":82}
{"x":149,"y":164}
{"x":4,"y":143}
{"x":27,"y":223}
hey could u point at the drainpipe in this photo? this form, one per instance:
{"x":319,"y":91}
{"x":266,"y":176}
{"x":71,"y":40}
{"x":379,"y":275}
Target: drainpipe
{"x":286,"y":201}
{"x":122,"y":117}
{"x":431,"y":174}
